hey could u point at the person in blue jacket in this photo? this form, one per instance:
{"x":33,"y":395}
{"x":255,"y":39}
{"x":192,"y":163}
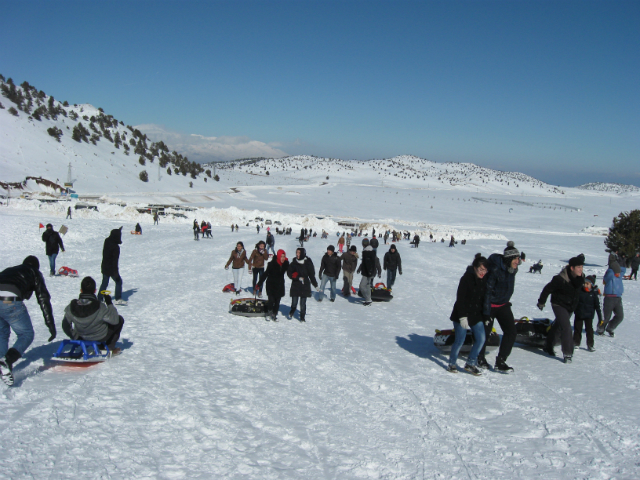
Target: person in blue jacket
{"x":500,"y":286}
{"x":613,"y":290}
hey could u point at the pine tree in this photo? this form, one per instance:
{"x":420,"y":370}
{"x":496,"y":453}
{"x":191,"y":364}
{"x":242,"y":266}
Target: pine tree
{"x":141,"y":160}
{"x":13,"y":111}
{"x":624,"y":234}
{"x":144,"y":176}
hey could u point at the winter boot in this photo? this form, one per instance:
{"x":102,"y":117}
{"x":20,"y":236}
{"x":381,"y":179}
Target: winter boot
{"x":482,"y":363}
{"x":452,"y":368}
{"x":611,"y":334}
{"x":502,"y":366}
{"x":473,"y":370}
{"x":591,"y":349}
{"x":548,"y":349}
{"x":302,"y":319}
{"x":290,"y":316}
{"x":6,"y":365}
{"x":568,"y":359}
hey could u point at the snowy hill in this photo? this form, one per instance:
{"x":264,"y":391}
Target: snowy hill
{"x":618,"y":188}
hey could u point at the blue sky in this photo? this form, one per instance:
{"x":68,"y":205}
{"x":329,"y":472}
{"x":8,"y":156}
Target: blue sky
{"x":546,"y":88}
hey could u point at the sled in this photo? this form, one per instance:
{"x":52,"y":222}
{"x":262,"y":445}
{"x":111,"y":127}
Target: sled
{"x":444,"y":339}
{"x":532,"y":332}
{"x":67,"y":272}
{"x":63,"y":230}
{"x":627,"y":277}
{"x":379,"y":293}
{"x":81,"y":351}
{"x":248,"y":307}
{"x":229,"y":288}
{"x":135,"y":233}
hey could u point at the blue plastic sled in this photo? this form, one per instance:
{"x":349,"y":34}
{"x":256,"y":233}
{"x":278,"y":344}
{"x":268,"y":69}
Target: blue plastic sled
{"x":82,"y":351}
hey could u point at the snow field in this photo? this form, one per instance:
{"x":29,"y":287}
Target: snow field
{"x":355,"y":392}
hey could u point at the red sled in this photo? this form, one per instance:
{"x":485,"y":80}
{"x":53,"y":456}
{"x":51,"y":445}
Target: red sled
{"x":67,"y":272}
{"x":229,"y":288}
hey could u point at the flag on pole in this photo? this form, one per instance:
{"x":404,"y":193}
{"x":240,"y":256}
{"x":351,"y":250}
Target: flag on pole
{"x":41,"y":226}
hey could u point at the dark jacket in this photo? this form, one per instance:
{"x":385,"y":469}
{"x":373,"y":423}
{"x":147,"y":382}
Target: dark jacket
{"x":500,"y":283}
{"x":635,"y":262}
{"x":90,"y":317}
{"x":392,"y":261}
{"x":111,"y":252}
{"x":349,"y":261}
{"x":330,"y":266}
{"x":270,"y":239}
{"x":302,"y":269}
{"x":470,"y":297}
{"x":588,"y":305}
{"x":370,"y":263}
{"x":564,"y":290}
{"x":25,"y":279}
{"x":52,"y":241}
{"x":274,"y":277}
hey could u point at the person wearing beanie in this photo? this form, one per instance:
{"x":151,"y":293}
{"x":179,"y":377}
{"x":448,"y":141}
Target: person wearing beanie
{"x":302,"y":273}
{"x":329,"y":271}
{"x":16,"y":285}
{"x":392,"y":263}
{"x":368,"y":267}
{"x":501,"y":280}
{"x":588,"y":306}
{"x":349,"y":263}
{"x":274,"y":277}
{"x":54,"y":244}
{"x":564,"y":289}
{"x":613,"y":290}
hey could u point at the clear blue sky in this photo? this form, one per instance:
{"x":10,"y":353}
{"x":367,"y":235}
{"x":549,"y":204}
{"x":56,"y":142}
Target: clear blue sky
{"x":548,"y":88}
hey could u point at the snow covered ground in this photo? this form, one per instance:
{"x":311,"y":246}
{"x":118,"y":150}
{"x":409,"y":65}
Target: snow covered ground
{"x":355,"y":392}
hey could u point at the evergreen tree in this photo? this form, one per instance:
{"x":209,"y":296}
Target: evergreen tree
{"x":168,"y":170}
{"x":13,"y":111}
{"x":141,"y":160}
{"x":55,"y":132}
{"x":624,"y":234}
{"x":144,"y":176}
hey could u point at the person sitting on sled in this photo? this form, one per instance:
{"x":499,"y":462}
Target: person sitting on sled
{"x":87,"y":318}
{"x":274,"y":276}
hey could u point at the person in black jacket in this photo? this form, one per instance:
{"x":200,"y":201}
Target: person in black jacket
{"x":53,"y":244}
{"x":302,"y":274}
{"x":500,"y":286}
{"x":392,"y":263}
{"x":329,"y":271}
{"x":467,"y":313}
{"x":274,"y":276}
{"x":588,"y":305}
{"x":16,"y":285}
{"x":368,"y":267}
{"x":564,"y":289}
{"x":110,"y":269}
{"x":635,"y":263}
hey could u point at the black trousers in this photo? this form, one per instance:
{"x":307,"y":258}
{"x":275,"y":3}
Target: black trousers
{"x":273,"y":304}
{"x":561,"y":328}
{"x":303,"y":305}
{"x":504,"y":316}
{"x":577,"y":331}
{"x":258,"y":273}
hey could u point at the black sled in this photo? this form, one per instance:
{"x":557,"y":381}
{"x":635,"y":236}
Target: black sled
{"x":532,"y":332}
{"x":248,"y":307}
{"x":444,"y":339}
{"x":379,"y":293}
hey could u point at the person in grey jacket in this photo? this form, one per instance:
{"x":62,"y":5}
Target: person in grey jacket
{"x":86,"y":318}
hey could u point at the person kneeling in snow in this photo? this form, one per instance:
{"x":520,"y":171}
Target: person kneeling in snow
{"x":87,"y":318}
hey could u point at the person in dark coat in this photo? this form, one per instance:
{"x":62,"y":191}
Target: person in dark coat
{"x":635,"y":263}
{"x":302,"y":274}
{"x":138,"y":229}
{"x":110,"y":268}
{"x":500,"y":286}
{"x":588,"y":305}
{"x":329,"y":271}
{"x":392,"y":263}
{"x":69,"y":213}
{"x":349,"y":263}
{"x":369,"y":266}
{"x":274,"y":276}
{"x":416,"y":240}
{"x":16,"y":285}
{"x":564,"y":289}
{"x":467,"y":313}
{"x":53,"y":246}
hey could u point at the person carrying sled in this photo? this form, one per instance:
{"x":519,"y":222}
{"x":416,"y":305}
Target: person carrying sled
{"x":138,"y":229}
{"x":368,"y":267}
{"x":110,"y":268}
{"x":16,"y":285}
{"x":256,"y":265}
{"x":302,"y":274}
{"x":588,"y":306}
{"x":53,"y":245}
{"x":274,"y":276}
{"x":271,"y":243}
{"x":501,"y":280}
{"x":87,"y":318}
{"x":349,"y":263}
{"x":238,"y":258}
{"x":392,"y":263}
{"x":564,"y":289}
{"x":341,"y":243}
{"x":613,"y":290}
{"x":329,"y":271}
{"x":467,"y":313}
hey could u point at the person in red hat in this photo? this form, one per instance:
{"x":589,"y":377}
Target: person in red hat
{"x":274,"y":276}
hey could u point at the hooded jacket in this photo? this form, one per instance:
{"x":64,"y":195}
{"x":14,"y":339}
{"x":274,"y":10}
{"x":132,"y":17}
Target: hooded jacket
{"x":111,"y":253}
{"x":302,"y":274}
{"x":500,"y":283}
{"x":392,"y":260}
{"x":330,"y":266}
{"x":370,"y":263}
{"x":23,"y":280}
{"x":53,"y":242}
{"x":89,"y":317}
{"x":613,"y":285}
{"x":564,"y":290}
{"x":470,"y":297}
{"x":274,"y":276}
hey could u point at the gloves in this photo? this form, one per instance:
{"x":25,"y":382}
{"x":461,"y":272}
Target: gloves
{"x":541,"y":305}
{"x":464,"y":323}
{"x":486,"y":319}
{"x":294,"y":275}
{"x":107,"y":299}
{"x":301,"y":280}
{"x":52,"y":331}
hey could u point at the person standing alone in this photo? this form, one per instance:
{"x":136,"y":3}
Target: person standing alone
{"x":53,"y":246}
